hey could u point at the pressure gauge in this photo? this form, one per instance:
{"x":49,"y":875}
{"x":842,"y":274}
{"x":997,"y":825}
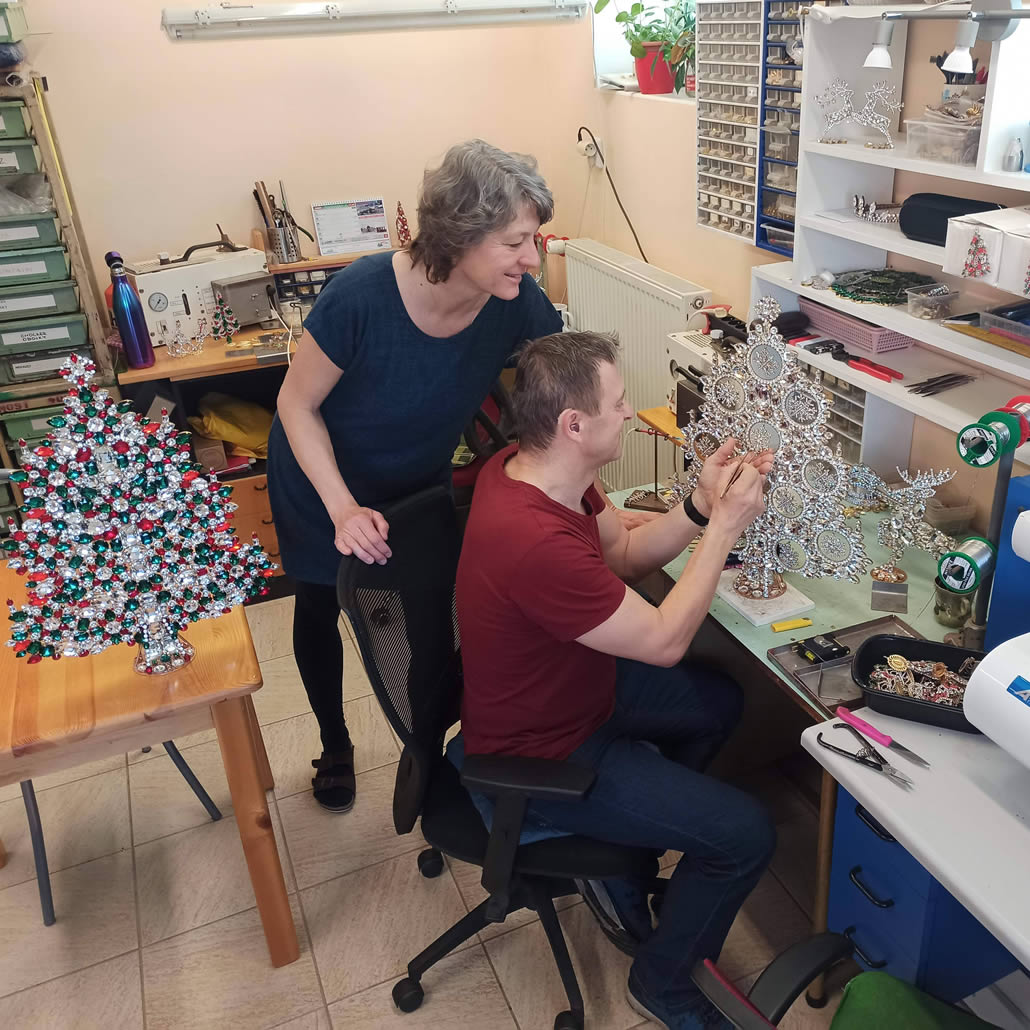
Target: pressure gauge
{"x":157,"y":301}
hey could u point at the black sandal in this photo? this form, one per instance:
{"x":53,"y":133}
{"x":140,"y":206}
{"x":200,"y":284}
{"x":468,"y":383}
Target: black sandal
{"x":334,"y":786}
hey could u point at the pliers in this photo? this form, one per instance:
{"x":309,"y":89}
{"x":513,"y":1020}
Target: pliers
{"x":867,"y":756}
{"x":863,"y":364}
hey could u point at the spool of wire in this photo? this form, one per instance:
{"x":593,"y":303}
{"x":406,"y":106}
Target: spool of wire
{"x":963,"y":569}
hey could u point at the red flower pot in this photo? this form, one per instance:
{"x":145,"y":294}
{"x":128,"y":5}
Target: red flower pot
{"x":658,"y":81}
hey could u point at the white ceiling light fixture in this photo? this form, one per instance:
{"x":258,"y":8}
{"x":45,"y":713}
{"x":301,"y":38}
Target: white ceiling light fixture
{"x":960,"y":60}
{"x":229,"y":20}
{"x":880,"y":56}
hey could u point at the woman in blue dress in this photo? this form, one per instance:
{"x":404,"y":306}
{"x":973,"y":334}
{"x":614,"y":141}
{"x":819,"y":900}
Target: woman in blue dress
{"x":397,"y":354}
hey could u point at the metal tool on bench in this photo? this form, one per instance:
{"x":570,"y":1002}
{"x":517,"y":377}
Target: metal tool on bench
{"x":879,"y":737}
{"x":867,"y":756}
{"x":864,"y":364}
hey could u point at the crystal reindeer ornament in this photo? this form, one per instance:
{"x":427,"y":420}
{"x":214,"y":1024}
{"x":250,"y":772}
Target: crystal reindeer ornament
{"x":905,"y":526}
{"x":762,"y":398}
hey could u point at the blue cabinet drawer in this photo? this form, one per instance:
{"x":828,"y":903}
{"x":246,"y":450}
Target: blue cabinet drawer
{"x":859,"y":840}
{"x":888,"y":914}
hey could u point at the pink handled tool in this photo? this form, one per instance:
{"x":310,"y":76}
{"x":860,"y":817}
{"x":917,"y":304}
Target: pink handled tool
{"x":879,"y":737}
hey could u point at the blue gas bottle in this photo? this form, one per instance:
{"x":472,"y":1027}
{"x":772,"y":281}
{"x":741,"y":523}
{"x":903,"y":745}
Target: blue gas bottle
{"x":128,"y":314}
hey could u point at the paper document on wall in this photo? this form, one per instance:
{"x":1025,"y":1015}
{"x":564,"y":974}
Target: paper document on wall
{"x":351,"y":226}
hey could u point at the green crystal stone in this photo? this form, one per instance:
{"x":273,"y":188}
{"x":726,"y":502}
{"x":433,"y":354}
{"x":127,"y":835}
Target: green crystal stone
{"x":33,"y":648}
{"x":57,"y":421}
{"x":116,"y":545}
{"x":64,"y":549}
{"x":123,"y":407}
{"x":81,"y":428}
{"x":132,"y":604}
{"x":18,"y":616}
{"x":9,"y":545}
{"x":19,"y":477}
{"x":100,"y":546}
{"x":91,"y":470}
{"x":121,"y":461}
{"x":19,"y":634}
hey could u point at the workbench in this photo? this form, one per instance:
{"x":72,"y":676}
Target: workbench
{"x":741,"y":650}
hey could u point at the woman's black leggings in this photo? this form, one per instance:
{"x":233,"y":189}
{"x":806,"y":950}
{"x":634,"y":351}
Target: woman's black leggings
{"x":318,"y":652}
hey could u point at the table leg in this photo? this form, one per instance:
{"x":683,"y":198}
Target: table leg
{"x":816,"y":993}
{"x":264,"y":769}
{"x":239,"y":755}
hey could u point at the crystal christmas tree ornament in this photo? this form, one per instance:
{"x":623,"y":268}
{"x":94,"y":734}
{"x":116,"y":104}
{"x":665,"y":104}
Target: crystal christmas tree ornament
{"x":761,"y":397}
{"x":223,"y":323}
{"x":122,"y":540}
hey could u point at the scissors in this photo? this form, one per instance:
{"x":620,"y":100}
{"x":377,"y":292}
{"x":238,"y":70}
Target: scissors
{"x":867,"y":756}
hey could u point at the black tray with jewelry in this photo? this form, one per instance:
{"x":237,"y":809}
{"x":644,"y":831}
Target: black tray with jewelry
{"x":875,"y":651}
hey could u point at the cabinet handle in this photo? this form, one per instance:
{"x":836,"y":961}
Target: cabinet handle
{"x":260,"y":489}
{"x":874,"y":825}
{"x":861,"y":954}
{"x":869,"y":895}
{"x":267,"y":522}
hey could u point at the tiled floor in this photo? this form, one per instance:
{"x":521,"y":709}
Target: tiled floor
{"x":157,"y":926}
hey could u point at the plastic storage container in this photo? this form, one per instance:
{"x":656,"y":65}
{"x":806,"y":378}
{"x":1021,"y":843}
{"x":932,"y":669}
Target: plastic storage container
{"x":923,"y":303}
{"x":21,"y":231}
{"x":13,"y":25}
{"x":853,"y":332}
{"x":19,"y":302}
{"x":874,"y":652}
{"x":949,"y":144}
{"x":14,"y":120}
{"x":30,"y":425}
{"x":38,"y":334}
{"x":949,"y":518}
{"x":27,"y":368}
{"x":780,"y":145}
{"x":1015,"y":330}
{"x":43,"y":264}
{"x":777,"y":237}
{"x":18,"y":157}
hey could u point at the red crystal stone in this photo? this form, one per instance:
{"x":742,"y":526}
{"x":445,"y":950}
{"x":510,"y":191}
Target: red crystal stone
{"x":110,"y":534}
{"x":45,"y":452}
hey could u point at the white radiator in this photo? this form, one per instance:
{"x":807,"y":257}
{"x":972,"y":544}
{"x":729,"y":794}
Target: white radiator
{"x":611,"y":291}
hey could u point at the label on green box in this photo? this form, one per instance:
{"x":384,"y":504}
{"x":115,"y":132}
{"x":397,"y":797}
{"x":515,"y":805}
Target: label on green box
{"x":35,"y":336}
{"x":19,"y":232}
{"x":25,"y":268}
{"x":9,"y":159}
{"x":24,"y":368}
{"x":40,"y":300}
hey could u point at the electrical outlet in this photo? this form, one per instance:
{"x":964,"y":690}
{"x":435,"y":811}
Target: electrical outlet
{"x":591,"y":151}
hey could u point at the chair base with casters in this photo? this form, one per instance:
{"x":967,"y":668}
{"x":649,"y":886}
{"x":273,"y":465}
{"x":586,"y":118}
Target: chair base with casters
{"x":404,"y":622}
{"x":871,"y":999}
{"x":46,"y":898}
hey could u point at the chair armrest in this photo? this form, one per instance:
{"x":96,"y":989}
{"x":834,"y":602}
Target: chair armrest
{"x":783,"y":980}
{"x":541,"y":779}
{"x":512,"y":781}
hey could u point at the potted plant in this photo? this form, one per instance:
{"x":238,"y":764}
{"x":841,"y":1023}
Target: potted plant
{"x":661,"y":42}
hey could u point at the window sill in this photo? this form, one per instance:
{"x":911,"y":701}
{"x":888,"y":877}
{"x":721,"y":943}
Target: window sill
{"x":665,"y":98}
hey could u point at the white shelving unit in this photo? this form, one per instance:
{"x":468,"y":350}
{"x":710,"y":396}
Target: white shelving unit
{"x":827,"y":238}
{"x":728,"y":61}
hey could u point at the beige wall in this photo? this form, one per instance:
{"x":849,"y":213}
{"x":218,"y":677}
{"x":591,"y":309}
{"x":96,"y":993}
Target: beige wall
{"x":163,"y":139}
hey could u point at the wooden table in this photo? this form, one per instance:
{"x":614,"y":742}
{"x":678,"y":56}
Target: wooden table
{"x":211,"y":361}
{"x":55,"y":715}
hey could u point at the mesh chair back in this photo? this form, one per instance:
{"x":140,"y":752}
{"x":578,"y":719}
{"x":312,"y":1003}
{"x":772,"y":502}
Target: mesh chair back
{"x":405,"y":623}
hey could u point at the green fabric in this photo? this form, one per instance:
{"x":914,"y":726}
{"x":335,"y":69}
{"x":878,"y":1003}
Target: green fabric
{"x":879,"y":1000}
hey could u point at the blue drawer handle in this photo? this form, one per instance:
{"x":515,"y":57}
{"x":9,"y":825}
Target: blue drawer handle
{"x":860,"y":953}
{"x":869,"y":895}
{"x":874,"y":825}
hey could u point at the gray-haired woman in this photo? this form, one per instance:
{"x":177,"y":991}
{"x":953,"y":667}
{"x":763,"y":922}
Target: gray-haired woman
{"x":397,"y":355}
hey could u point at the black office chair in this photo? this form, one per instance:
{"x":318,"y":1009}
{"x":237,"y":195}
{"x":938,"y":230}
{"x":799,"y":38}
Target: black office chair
{"x":405,"y":623}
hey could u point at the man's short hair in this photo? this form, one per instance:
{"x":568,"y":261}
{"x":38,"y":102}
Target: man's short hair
{"x":558,"y":372}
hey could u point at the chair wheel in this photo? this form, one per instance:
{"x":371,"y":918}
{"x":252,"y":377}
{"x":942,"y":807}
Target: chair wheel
{"x":408,"y":994}
{"x":568,"y":1021}
{"x":430,"y":863}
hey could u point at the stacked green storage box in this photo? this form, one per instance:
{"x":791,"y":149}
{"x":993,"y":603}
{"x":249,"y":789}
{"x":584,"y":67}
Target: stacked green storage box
{"x":39,"y":334}
{"x":44,"y":264}
{"x":20,"y":231}
{"x":14,"y":120}
{"x":18,"y":156}
{"x":18,"y":302}
{"x":29,"y":426}
{"x":13,"y":25}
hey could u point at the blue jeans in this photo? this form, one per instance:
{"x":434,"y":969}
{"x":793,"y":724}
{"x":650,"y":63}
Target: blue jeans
{"x":650,"y":792}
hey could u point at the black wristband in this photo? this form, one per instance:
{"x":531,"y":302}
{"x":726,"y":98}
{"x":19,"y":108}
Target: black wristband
{"x":690,"y":510}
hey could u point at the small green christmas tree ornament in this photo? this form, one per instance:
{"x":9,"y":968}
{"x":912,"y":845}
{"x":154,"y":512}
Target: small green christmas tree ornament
{"x":224,"y":324}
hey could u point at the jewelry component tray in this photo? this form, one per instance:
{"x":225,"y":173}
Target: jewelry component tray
{"x":832,"y":682}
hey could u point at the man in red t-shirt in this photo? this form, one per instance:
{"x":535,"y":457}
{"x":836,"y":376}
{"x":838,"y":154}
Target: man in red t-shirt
{"x":562,"y":660}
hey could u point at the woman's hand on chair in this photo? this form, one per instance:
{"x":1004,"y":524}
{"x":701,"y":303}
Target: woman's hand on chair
{"x":362,"y":532}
